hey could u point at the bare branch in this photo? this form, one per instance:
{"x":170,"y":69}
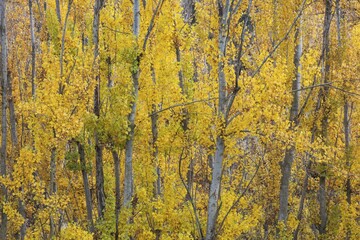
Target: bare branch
{"x":182,"y":104}
{"x":312,"y":86}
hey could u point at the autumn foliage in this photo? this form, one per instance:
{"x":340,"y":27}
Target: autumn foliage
{"x":180,"y":119}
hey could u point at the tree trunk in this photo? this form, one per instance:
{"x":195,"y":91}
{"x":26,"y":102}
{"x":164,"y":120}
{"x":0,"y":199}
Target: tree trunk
{"x":326,"y":112}
{"x":53,"y":188}
{"x":117,"y":191}
{"x":188,"y":11}
{"x":14,"y":140}
{"x":100,"y":192}
{"x":129,"y":178}
{"x":58,"y":14}
{"x":4,"y":85}
{"x":86,"y":187}
{"x":33,"y":49}
{"x":215,"y":185}
{"x":291,"y":152}
{"x":347,"y":132}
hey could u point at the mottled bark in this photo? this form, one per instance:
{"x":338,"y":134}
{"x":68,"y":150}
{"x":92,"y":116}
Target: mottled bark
{"x":188,"y":11}
{"x":290,"y":152}
{"x":215,"y":185}
{"x":33,"y":49}
{"x":86,"y":187}
{"x":4,"y":85}
{"x":100,"y":192}
{"x":129,"y":177}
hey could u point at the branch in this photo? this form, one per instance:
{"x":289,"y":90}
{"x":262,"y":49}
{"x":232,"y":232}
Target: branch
{"x":281,"y":41}
{"x":115,"y":30}
{"x":346,"y":91}
{"x":152,"y":23}
{"x":312,"y":86}
{"x":182,"y":104}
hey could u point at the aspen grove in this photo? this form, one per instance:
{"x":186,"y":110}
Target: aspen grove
{"x":180,"y":119}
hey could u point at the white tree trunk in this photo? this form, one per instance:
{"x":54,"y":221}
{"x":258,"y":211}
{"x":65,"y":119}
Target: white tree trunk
{"x":129,"y":177}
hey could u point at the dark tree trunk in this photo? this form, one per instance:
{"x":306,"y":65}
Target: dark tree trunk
{"x":86,"y":187}
{"x":100,"y":192}
{"x":53,"y":187}
{"x":291,"y":151}
{"x":326,"y":111}
{"x":117,"y":191}
{"x":58,"y":14}
{"x":4,"y":85}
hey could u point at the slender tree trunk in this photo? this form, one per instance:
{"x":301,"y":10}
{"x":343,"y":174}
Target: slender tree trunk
{"x":4,"y":85}
{"x":215,"y":185}
{"x":53,"y":188}
{"x":61,"y":88}
{"x":347,"y":132}
{"x":155,"y":151}
{"x":302,"y":200}
{"x":185,"y":120}
{"x":290,"y":152}
{"x":129,"y":178}
{"x":326,"y":112}
{"x":188,"y":11}
{"x":86,"y":187}
{"x":33,"y":49}
{"x":117,"y":191}
{"x":100,"y":192}
{"x":58,"y":14}
{"x":14,"y":140}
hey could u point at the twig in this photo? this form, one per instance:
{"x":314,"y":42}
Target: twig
{"x":115,"y":30}
{"x":152,"y":23}
{"x":312,"y":86}
{"x":182,"y":104}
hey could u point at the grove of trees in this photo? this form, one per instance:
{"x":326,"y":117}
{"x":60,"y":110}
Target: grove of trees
{"x":180,"y":119}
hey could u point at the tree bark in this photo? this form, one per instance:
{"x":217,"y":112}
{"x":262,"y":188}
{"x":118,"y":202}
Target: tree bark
{"x":33,"y":50}
{"x":4,"y":85}
{"x":188,"y":11}
{"x":14,"y":140}
{"x":58,"y":14}
{"x":290,"y":153}
{"x":326,"y":112}
{"x":86,"y":187}
{"x":215,"y":185}
{"x":100,"y":192}
{"x":53,"y":188}
{"x":347,"y":133}
{"x":117,"y":191}
{"x":129,"y":178}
